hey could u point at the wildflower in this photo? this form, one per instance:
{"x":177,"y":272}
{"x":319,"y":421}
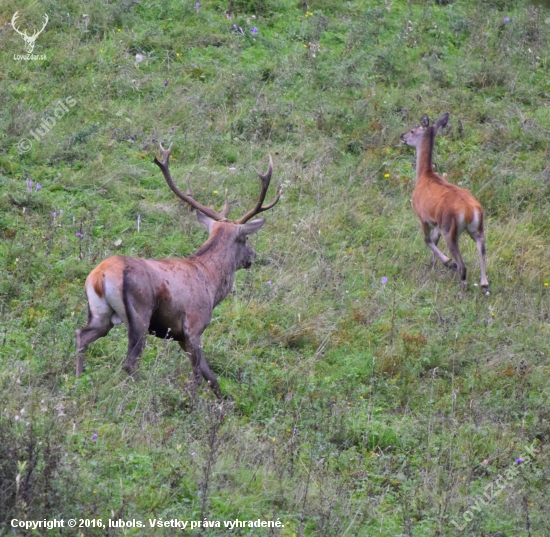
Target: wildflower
{"x":94,"y":436}
{"x":490,"y":320}
{"x":54,"y":214}
{"x":506,"y":19}
{"x":30,"y":183}
{"x":177,"y":54}
{"x":274,"y":440}
{"x":215,"y":191}
{"x":386,"y":175}
{"x":269,"y":283}
{"x":78,"y":234}
{"x":485,"y":462}
{"x":519,"y":460}
{"x":384,"y":280}
{"x":38,"y":186}
{"x":119,"y":30}
{"x":308,"y":14}
{"x":545,"y":284}
{"x":193,"y":453}
{"x":197,"y":5}
{"x":492,"y":314}
{"x":234,"y":27}
{"x":60,"y":211}
{"x":28,"y":189}
{"x":254,"y":30}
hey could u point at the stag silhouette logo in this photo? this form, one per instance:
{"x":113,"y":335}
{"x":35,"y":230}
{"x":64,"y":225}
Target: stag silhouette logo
{"x":29,"y":39}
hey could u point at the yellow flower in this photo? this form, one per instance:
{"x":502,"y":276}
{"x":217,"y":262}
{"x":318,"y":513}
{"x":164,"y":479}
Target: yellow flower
{"x":87,"y":67}
{"x":274,"y":440}
{"x":386,"y":175}
{"x":177,"y":53}
{"x":305,"y":46}
{"x":119,"y":30}
{"x":492,"y":314}
{"x":215,"y":191}
{"x":100,"y":51}
{"x":545,"y":284}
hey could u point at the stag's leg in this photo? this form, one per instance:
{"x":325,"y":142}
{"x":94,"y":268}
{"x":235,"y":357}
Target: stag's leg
{"x":97,"y":327}
{"x":451,"y":238}
{"x":479,"y":239}
{"x":429,"y":235}
{"x":138,"y":327}
{"x":193,"y":348}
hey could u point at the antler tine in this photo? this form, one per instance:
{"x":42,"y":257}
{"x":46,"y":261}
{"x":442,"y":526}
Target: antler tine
{"x":225,"y":209}
{"x":265,"y":178}
{"x":188,"y":198}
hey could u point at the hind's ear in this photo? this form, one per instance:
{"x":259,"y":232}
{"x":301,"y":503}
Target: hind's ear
{"x":442,"y":121}
{"x":425,"y":121}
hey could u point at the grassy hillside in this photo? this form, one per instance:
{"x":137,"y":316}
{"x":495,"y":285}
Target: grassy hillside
{"x":356,"y":407}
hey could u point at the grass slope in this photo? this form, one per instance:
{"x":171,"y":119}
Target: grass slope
{"x":356,"y":408}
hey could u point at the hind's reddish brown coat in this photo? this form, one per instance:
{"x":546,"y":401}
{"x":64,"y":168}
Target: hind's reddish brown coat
{"x":444,"y":208}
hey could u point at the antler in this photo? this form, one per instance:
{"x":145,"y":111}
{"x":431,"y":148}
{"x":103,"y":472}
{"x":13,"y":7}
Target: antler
{"x":187,"y":197}
{"x":13,"y":19}
{"x":36,"y":32}
{"x":42,"y":29}
{"x":266,"y":178}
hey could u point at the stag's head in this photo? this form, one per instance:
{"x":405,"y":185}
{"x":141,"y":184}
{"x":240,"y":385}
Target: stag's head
{"x":415,"y":135}
{"x":29,"y":39}
{"x":225,"y":235}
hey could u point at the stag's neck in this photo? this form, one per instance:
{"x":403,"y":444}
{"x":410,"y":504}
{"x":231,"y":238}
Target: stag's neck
{"x":218,"y":265}
{"x":424,"y":154}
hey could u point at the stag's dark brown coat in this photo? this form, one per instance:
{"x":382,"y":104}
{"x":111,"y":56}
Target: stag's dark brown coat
{"x":171,"y":298}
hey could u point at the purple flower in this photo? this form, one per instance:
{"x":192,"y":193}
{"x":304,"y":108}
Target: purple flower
{"x":38,"y":186}
{"x":94,"y":436}
{"x":28,"y":189}
{"x":197,"y":5}
{"x":507,"y":19}
{"x":193,"y":453}
{"x":254,"y":30}
{"x":519,"y":460}
{"x":78,"y":234}
{"x":234,"y":27}
{"x":30,"y":183}
{"x":60,"y":211}
{"x":269,"y":282}
{"x":54,"y":214}
{"x":384,"y":280}
{"x":490,"y":320}
{"x":27,"y":180}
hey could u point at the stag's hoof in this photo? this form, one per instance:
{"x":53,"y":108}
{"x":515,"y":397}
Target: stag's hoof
{"x":485,"y":290}
{"x":452,"y":266}
{"x":129,"y":369}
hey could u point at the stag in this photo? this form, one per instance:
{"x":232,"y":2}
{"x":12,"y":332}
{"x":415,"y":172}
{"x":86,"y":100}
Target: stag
{"x":444,"y":208}
{"x":29,"y":39}
{"x":172,"y":298}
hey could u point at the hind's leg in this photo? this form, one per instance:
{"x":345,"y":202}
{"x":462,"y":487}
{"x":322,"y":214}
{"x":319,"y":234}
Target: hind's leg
{"x":479,"y":238}
{"x":451,"y":238}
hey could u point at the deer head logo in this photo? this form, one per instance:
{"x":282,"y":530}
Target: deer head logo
{"x":29,"y":39}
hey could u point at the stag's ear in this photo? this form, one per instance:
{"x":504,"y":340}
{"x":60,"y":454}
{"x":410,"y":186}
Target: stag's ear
{"x":251,"y":227}
{"x":206,"y":221}
{"x":425,"y":121}
{"x":442,"y":121}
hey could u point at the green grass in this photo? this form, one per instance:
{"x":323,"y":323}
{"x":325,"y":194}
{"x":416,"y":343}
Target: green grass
{"x":355,"y":408}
